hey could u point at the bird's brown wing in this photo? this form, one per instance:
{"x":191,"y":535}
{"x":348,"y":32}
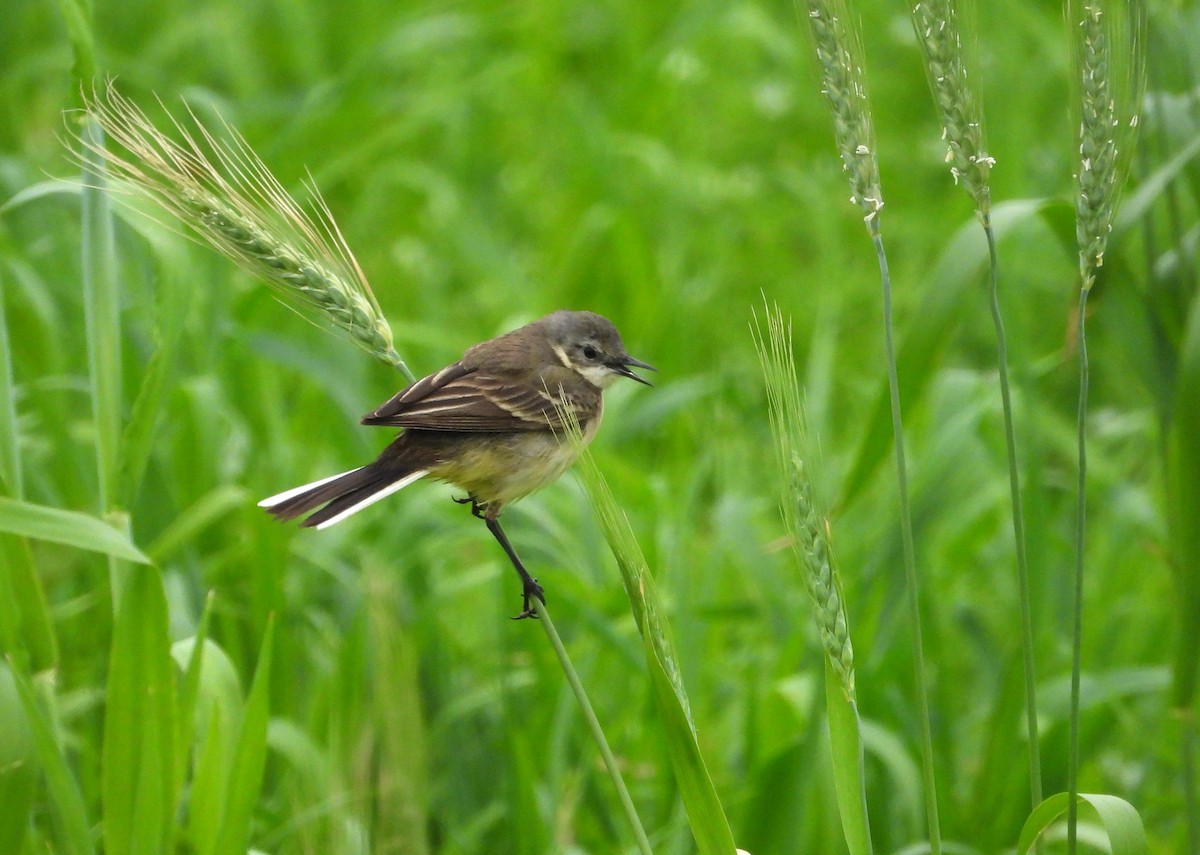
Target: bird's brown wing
{"x":459,"y":398}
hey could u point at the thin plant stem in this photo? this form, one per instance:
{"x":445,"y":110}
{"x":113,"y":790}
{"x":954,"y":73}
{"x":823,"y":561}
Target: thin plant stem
{"x":593,"y":723}
{"x":1187,"y":747}
{"x":1077,"y":604}
{"x":1018,"y":520}
{"x":929,"y":783}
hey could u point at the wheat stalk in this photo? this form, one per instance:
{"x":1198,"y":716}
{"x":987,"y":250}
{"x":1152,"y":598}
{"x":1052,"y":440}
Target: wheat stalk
{"x":228,"y":197}
{"x":936,"y":23}
{"x":1110,"y":82}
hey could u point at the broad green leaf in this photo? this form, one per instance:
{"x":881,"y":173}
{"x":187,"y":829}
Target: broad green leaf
{"x":65,"y":795}
{"x":952,"y":290}
{"x":846,"y":750}
{"x":1137,"y":205}
{"x":249,"y":758}
{"x":17,"y":770}
{"x":1120,"y":820}
{"x":69,"y":528}
{"x":138,"y":772}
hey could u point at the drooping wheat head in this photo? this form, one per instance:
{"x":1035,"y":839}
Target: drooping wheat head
{"x":937,"y":27}
{"x":225,"y":194}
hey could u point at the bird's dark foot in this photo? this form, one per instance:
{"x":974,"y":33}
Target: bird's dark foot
{"x":532,"y":591}
{"x":477,"y":510}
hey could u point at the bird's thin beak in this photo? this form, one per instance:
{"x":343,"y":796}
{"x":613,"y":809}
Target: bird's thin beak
{"x":627,"y":363}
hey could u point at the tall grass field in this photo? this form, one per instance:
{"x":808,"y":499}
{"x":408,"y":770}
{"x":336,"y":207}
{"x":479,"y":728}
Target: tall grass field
{"x":901,"y":571}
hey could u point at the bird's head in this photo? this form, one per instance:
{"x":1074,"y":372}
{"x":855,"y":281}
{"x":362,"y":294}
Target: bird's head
{"x":589,"y":344}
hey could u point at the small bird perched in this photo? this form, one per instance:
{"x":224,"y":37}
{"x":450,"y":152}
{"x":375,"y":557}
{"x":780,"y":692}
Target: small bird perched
{"x":491,"y":424}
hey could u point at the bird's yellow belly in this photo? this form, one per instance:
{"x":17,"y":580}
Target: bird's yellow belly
{"x":507,"y":467}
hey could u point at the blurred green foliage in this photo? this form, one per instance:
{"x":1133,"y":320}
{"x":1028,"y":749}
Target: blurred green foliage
{"x":667,"y":165}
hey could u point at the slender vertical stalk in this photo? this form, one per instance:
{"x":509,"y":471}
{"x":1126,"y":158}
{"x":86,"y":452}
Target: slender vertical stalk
{"x":1018,"y":521}
{"x":838,"y":45}
{"x":928,"y":780}
{"x":936,"y":24}
{"x":1077,"y":599}
{"x":1187,"y":748}
{"x":593,"y":724}
{"x":10,"y":446}
{"x":1109,"y":61}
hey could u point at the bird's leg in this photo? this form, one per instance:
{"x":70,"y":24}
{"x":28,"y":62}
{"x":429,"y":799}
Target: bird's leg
{"x":530,"y":588}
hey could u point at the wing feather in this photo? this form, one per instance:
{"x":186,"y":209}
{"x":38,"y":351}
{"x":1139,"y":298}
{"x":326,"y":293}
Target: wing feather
{"x":459,"y":398}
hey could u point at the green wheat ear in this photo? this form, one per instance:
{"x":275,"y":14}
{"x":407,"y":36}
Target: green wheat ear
{"x":1109,"y":62}
{"x":228,"y":197}
{"x":803,"y":511}
{"x":938,"y":34}
{"x":838,"y":46}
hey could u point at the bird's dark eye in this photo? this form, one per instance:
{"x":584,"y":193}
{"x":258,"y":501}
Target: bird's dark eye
{"x":590,"y":352}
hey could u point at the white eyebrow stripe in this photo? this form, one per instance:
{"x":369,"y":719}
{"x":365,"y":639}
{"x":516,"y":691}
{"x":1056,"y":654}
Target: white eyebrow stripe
{"x":562,"y":356}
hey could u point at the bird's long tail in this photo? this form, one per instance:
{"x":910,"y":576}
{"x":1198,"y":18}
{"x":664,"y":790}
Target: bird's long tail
{"x":341,"y":495}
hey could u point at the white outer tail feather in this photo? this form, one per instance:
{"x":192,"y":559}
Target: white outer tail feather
{"x":280,"y":498}
{"x":395,"y":486}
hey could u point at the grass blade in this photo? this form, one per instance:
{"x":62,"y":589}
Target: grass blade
{"x":218,"y":711}
{"x":593,"y":723}
{"x":955,"y":276}
{"x":102,"y":310}
{"x":249,"y":757}
{"x":845,"y":746}
{"x":709,"y":825}
{"x":26,"y":629}
{"x":17,"y":770}
{"x":11,"y":474}
{"x":69,"y":528}
{"x":138,"y":775}
{"x":806,"y":522}
{"x":189,"y":657}
{"x":141,"y":429}
{"x":1183,"y":531}
{"x":65,"y":795}
{"x":1183,"y":503}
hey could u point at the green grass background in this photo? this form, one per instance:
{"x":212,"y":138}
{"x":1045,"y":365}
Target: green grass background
{"x":668,"y":165}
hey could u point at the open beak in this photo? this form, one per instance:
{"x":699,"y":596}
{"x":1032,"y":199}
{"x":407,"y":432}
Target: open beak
{"x":625,"y":365}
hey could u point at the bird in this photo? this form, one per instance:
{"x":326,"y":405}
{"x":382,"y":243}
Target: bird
{"x":493,"y":424}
